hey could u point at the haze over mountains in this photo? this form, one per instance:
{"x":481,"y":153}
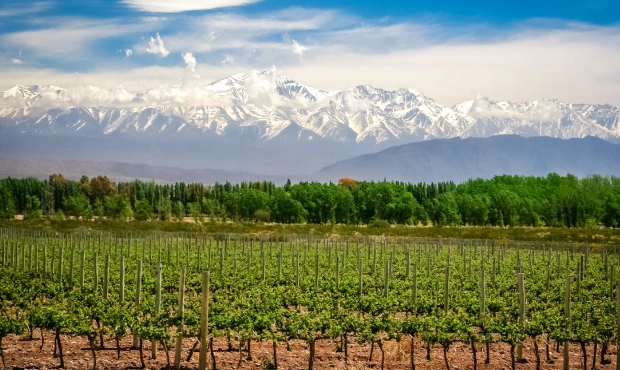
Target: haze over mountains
{"x":266,"y":123}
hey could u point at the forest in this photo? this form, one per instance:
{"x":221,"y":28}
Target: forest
{"x":551,"y":201}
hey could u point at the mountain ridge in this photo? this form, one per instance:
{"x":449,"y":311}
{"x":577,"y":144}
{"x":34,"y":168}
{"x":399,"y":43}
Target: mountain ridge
{"x":458,"y":159}
{"x":262,"y":106}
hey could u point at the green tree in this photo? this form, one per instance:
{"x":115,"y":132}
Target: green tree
{"x":78,"y":206}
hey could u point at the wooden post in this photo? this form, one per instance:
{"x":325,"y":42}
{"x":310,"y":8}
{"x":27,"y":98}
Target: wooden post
{"x":136,"y":338}
{"x":95,"y":272}
{"x":618,"y":325}
{"x":386,"y":276}
{"x":565,"y":365}
{"x":337,"y":272}
{"x":414,"y":286}
{"x":446,"y":290}
{"x":316,"y":270}
{"x":360,"y":272}
{"x":60,"y":264}
{"x":71,"y":264}
{"x":82,"y":262}
{"x":521,"y":288}
{"x":204,"y":322}
{"x":482,"y":291}
{"x":122,"y":282}
{"x":106,"y":277}
{"x":45,"y":261}
{"x":157,"y":305}
{"x":179,"y":342}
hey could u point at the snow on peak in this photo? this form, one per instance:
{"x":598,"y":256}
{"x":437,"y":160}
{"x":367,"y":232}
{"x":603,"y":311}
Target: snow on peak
{"x":268,"y":104}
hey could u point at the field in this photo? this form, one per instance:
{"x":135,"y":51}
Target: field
{"x":100,"y":299}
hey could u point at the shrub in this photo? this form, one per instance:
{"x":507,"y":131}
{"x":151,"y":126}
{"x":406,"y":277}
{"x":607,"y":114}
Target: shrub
{"x":262,"y":216}
{"x":379,"y":224}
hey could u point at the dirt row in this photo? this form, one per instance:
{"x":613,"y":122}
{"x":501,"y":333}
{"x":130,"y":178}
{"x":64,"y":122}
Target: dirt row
{"x":21,"y":353}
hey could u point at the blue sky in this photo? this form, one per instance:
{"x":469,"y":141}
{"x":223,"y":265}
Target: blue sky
{"x":450,"y":50}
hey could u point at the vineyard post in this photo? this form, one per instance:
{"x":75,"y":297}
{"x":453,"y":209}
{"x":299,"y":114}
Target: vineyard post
{"x":386,"y":276}
{"x":408,"y":264}
{"x":279,"y":265}
{"x":106,"y":277}
{"x":316,"y":270}
{"x":82,"y":262}
{"x":179,"y":342}
{"x":360,"y":267}
{"x":95,"y":272}
{"x":45,"y":261}
{"x":446,"y":287}
{"x":482,"y":291}
{"x":234,"y":257}
{"x":337,"y":272}
{"x":262,"y":261}
{"x":566,"y":317}
{"x":122,"y":282}
{"x":136,"y":339}
{"x":548,"y":274}
{"x":24,"y":258}
{"x":521,"y":288}
{"x":31,"y":250}
{"x":578,"y":279}
{"x":374,"y":261}
{"x":204,"y":322}
{"x":60,"y":264}
{"x":157,"y":305}
{"x":187,"y":255}
{"x":71,"y":263}
{"x":414,"y":288}
{"x":221,"y":260}
{"x":618,"y":325}
{"x":297,"y":269}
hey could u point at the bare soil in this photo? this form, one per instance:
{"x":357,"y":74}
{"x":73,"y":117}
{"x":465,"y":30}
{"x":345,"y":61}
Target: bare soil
{"x":25,"y":354}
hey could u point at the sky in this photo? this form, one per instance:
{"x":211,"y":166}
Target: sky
{"x":451,"y":51}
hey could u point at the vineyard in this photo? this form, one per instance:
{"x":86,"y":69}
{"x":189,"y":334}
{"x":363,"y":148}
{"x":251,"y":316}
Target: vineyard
{"x":287,"y":301}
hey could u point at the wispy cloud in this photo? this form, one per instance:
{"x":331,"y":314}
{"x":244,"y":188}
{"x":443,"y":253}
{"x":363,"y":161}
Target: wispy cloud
{"x":296,"y":47}
{"x":16,"y":61}
{"x":69,"y":38}
{"x":177,"y":6}
{"x":156,"y":46}
{"x":31,"y":8}
{"x":527,"y":61}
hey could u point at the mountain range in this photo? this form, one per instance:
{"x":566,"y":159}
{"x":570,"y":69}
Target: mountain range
{"x":453,"y":159}
{"x":461,"y":159}
{"x":268,"y":107}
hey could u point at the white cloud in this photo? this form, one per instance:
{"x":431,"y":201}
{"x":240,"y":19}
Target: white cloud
{"x":190,"y":61}
{"x":156,"y":46}
{"x":177,"y":6}
{"x":296,"y":47}
{"x":546,"y":59}
{"x":128,"y":53}
{"x":16,"y":61}
{"x":544,"y":110}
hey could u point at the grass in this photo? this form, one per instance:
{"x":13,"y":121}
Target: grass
{"x":575,"y":235}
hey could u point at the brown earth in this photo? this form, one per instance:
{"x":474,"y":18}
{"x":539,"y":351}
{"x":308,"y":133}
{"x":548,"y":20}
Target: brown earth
{"x":25,"y":354}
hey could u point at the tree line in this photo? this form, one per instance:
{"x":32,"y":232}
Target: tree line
{"x":553,"y":200}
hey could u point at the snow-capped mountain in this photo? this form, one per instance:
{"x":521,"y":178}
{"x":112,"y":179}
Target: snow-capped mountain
{"x":267,"y":106}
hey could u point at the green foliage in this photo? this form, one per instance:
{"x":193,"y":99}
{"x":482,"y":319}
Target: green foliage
{"x":503,"y":201}
{"x":78,"y":206}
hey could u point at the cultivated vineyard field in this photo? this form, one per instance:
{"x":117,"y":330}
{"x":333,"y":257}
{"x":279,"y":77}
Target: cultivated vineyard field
{"x":292,"y":302}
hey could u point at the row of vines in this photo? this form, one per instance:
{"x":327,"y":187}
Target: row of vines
{"x":370,"y":290}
